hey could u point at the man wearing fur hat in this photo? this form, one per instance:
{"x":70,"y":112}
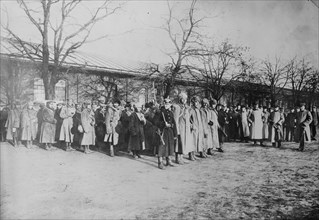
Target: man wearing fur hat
{"x":304,"y":118}
{"x":165,"y":123}
{"x":197,"y":128}
{"x":181,"y":113}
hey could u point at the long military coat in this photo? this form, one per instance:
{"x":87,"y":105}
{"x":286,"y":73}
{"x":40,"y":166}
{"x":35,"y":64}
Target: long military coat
{"x":13,"y":121}
{"x":206,"y":118}
{"x":65,"y":132}
{"x":168,"y":133}
{"x":256,"y":120}
{"x":276,"y":119}
{"x":214,"y":129}
{"x":59,"y":122}
{"x":265,"y":125}
{"x":244,"y":124}
{"x":136,"y":129}
{"x":112,"y":118}
{"x":48,"y":127}
{"x":304,"y":118}
{"x":197,"y":129}
{"x":185,"y":141}
{"x":88,"y":122}
{"x":29,"y":125}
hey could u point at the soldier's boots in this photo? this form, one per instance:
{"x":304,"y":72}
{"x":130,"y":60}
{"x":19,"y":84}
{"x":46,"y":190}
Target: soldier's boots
{"x":160,"y":163}
{"x":169,"y":162}
{"x":111,"y":151}
{"x":179,"y":159}
{"x":191,"y":156}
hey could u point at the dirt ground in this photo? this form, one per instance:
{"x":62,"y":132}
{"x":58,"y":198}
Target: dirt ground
{"x":245,"y":182}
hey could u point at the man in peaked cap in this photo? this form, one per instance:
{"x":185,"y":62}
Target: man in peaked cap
{"x":304,"y":118}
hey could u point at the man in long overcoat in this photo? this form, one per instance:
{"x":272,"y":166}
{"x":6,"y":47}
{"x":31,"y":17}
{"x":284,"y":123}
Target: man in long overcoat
{"x":181,"y":113}
{"x":206,"y":118}
{"x":28,"y":124}
{"x":256,"y":120}
{"x":66,"y":135}
{"x":165,"y":123}
{"x":214,"y":127}
{"x":276,"y":120}
{"x":88,"y":125}
{"x":136,"y":130}
{"x":13,"y":124}
{"x":197,"y":128}
{"x":112,"y":117}
{"x":304,"y":118}
{"x":290,"y":125}
{"x":48,"y":126}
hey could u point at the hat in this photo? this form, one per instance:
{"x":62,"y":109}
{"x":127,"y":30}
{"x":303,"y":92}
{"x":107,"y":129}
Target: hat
{"x":205,"y":101}
{"x":167,"y":100}
{"x":195,"y":99}
{"x":182,"y":95}
{"x":213,"y":101}
{"x":302,"y":104}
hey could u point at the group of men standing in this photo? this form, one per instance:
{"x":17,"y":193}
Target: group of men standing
{"x":167,"y":130}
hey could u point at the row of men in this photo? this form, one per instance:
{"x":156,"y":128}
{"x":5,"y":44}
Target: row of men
{"x":174,"y":128}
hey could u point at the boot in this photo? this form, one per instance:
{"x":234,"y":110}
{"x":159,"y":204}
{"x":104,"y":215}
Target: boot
{"x":209,"y":151}
{"x":177,"y":160}
{"x":169,"y":162}
{"x":28,"y":145}
{"x":193,"y":155}
{"x":111,"y":151}
{"x":46,"y":147}
{"x":70,"y":147}
{"x":205,"y":154}
{"x":180,"y":159}
{"x":160,"y":163}
{"x":279,"y":144}
{"x":15,"y":142}
{"x":262,"y":144}
{"x":273,"y":144}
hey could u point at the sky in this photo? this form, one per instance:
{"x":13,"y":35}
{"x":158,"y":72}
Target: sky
{"x":269,"y":28}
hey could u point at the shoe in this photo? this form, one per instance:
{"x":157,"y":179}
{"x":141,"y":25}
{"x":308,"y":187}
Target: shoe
{"x":220,"y":150}
{"x":161,"y":166}
{"x":139,"y":156}
{"x":135,"y":156}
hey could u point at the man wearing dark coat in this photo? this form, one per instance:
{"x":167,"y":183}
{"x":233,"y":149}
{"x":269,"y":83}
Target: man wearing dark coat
{"x":290,"y":122}
{"x":304,"y":118}
{"x":164,"y":121}
{"x":222,"y":120}
{"x":136,"y":128}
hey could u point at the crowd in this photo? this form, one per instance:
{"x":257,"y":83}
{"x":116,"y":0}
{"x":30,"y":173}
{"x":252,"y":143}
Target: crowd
{"x":171,"y":129}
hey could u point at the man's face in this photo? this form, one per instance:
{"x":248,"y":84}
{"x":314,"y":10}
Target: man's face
{"x":167,"y":105}
{"x":302,"y":108}
{"x":196,"y":104}
{"x":183,"y":100}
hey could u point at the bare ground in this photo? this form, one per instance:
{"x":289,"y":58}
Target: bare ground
{"x":245,"y":182}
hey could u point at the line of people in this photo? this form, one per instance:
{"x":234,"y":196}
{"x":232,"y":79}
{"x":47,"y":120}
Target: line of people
{"x":167,"y":130}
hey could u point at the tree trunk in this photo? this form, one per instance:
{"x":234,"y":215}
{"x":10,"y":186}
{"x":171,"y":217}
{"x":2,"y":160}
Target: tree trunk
{"x":168,"y":89}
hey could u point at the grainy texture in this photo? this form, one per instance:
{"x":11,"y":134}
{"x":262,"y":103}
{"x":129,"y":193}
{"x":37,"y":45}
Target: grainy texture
{"x":245,"y":182}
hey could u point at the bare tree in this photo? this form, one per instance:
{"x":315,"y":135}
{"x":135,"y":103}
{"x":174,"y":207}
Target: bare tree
{"x":184,"y":39}
{"x":67,"y":36}
{"x":300,"y":72}
{"x":218,"y":67}
{"x":275,"y":77}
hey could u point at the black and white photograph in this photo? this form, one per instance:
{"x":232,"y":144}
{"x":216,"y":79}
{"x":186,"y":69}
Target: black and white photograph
{"x":163,"y":109}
